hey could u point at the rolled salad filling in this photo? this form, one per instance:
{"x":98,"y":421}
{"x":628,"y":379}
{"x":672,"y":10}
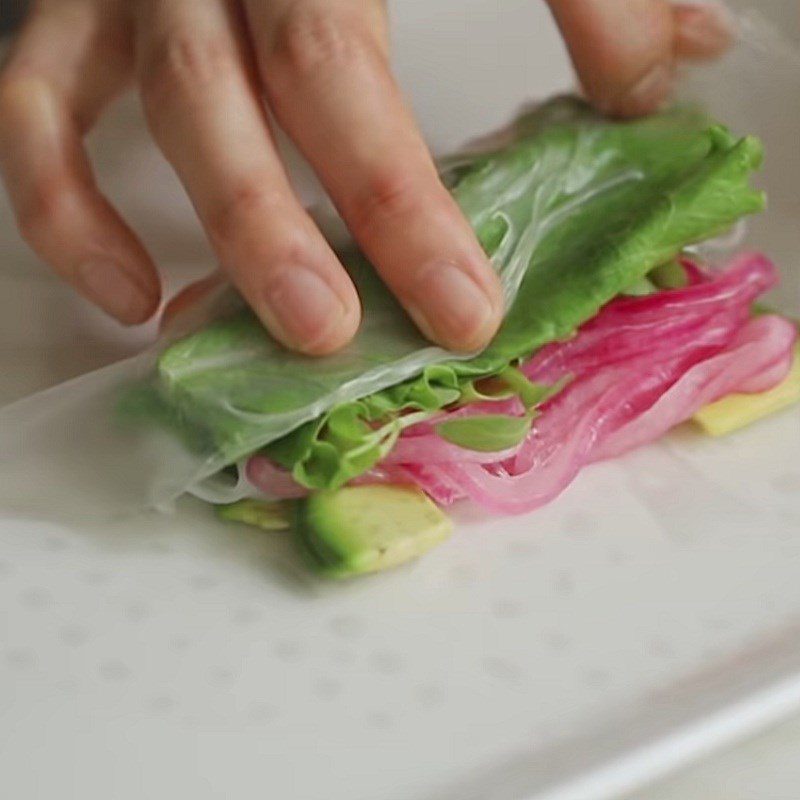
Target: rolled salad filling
{"x":616,"y":331}
{"x":515,"y":441}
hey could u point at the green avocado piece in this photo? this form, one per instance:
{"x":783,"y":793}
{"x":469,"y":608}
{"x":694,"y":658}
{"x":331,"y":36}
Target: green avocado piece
{"x":270,"y":515}
{"x":360,"y":529}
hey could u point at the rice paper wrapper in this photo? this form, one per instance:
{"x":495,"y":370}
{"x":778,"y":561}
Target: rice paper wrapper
{"x":754,"y":88}
{"x":89,"y":448}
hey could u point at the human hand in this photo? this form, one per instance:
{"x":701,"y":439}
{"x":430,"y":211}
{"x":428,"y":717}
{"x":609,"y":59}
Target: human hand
{"x":203,"y":70}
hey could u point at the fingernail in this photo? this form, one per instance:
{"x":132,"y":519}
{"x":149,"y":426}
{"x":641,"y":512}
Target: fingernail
{"x":302,"y":309}
{"x":448,"y":306}
{"x":706,"y":28}
{"x":650,"y":91}
{"x":106,"y":284}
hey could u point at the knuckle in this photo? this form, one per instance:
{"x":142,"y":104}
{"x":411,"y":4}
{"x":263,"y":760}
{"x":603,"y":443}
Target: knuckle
{"x":186,"y":63}
{"x":388,"y":194}
{"x":248,"y":203}
{"x":310,"y":39}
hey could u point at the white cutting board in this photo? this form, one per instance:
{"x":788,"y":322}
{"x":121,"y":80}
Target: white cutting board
{"x":654,"y":605}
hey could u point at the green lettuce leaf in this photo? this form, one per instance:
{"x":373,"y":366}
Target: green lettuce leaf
{"x":573,"y":211}
{"x":487,"y":433}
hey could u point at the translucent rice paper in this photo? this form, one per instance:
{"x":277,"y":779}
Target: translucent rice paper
{"x":65,"y":452}
{"x":756,"y":87}
{"x":62,"y":454}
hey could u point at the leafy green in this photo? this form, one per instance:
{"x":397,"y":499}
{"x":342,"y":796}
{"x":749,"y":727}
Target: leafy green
{"x":352,"y":437}
{"x":339,"y":446}
{"x":759,"y":309}
{"x":509,"y":382}
{"x":641,"y":288}
{"x":487,"y":433}
{"x":576,"y":210}
{"x":667,"y":184}
{"x":670,"y":275}
{"x":329,"y":451}
{"x":530,"y":393}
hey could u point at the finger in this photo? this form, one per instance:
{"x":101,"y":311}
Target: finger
{"x":205,"y":114}
{"x":47,"y":90}
{"x":190,"y":296}
{"x":327,"y":79}
{"x":702,"y":31}
{"x":622,"y":51}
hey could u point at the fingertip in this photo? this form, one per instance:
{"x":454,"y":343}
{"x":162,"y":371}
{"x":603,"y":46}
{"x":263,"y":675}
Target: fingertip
{"x":622,"y":51}
{"x":148,"y":294}
{"x":308,"y":309}
{"x":129,"y":297}
{"x":456,"y":307}
{"x":188,"y":297}
{"x":646,"y":95}
{"x":464,"y":343}
{"x":335,"y":339}
{"x":475,"y":341}
{"x":143,"y":312}
{"x":702,"y":30}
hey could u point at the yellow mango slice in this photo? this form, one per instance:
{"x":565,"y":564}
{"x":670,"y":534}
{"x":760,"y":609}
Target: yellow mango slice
{"x":736,"y":411}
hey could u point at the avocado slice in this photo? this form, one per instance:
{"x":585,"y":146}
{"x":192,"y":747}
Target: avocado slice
{"x":360,"y":529}
{"x":270,"y":515}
